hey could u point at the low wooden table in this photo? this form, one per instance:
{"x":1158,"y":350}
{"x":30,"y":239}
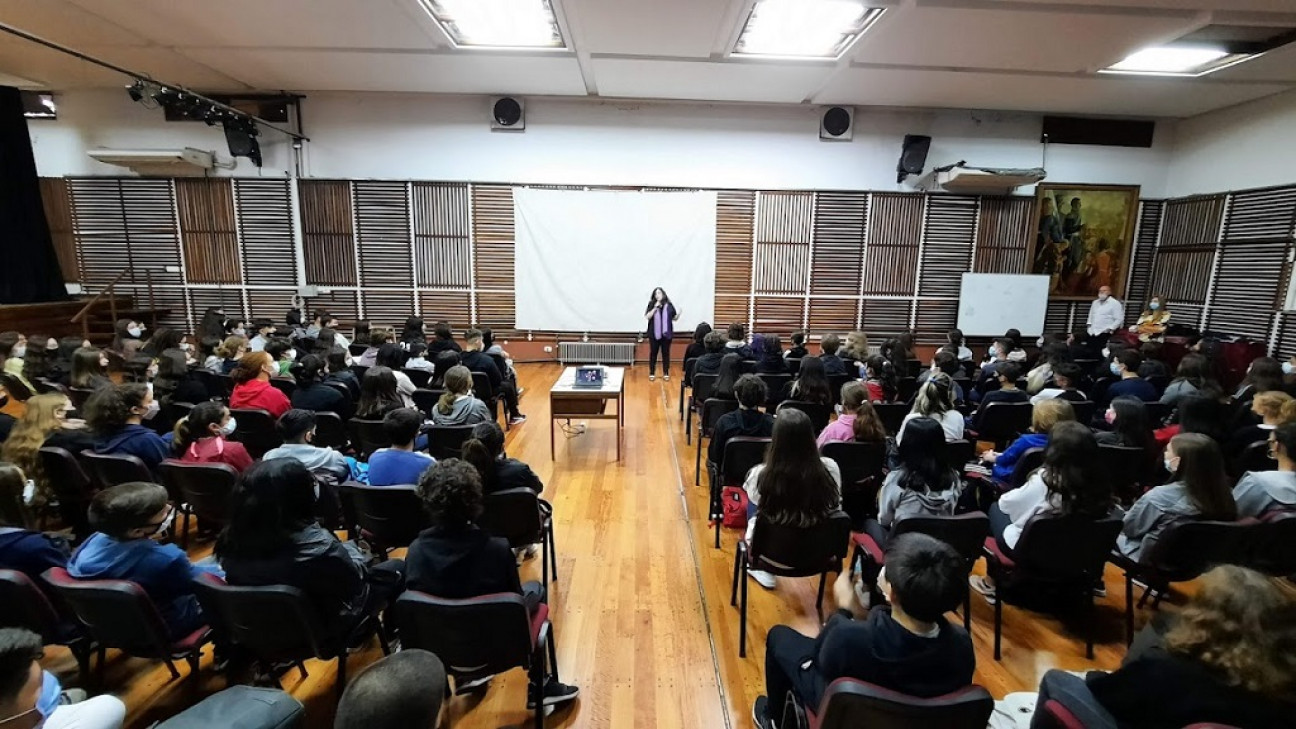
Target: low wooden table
{"x":568,"y":402}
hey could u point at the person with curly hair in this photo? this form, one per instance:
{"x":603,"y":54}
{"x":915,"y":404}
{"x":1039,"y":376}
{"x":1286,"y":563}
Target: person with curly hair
{"x":115,"y":414}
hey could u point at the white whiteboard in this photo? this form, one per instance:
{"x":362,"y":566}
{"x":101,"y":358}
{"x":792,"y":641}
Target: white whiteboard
{"x":992,"y":303}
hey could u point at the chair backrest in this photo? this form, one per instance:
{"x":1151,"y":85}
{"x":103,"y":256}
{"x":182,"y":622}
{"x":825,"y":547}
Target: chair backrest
{"x":367,"y":436}
{"x":78,"y":395}
{"x":906,"y":388}
{"x":446,"y":441}
{"x":775,"y":384}
{"x":24,"y":605}
{"x":44,"y":386}
{"x":959,"y":453}
{"x":837,"y":382}
{"x":801,"y":551}
{"x":478,"y":636}
{"x":712,"y":410}
{"x":341,"y":387}
{"x":793,"y":365}
{"x":426,"y":399}
{"x":116,"y":613}
{"x":1270,"y":545}
{"x":1066,"y":549}
{"x":1003,"y":421}
{"x":392,"y":515}
{"x":703,"y":387}
{"x":286,"y":385}
{"x":111,"y":469}
{"x":1255,"y":457}
{"x":1084,"y":411}
{"x":330,"y":431}
{"x":206,"y":487}
{"x":357,"y":349}
{"x":1032,"y":459}
{"x":359,"y":371}
{"x":1125,"y":468}
{"x":71,"y":485}
{"x":849,"y":703}
{"x":274,"y":622}
{"x":966,"y":533}
{"x":892,"y":415}
{"x":513,"y":514}
{"x":420,"y":378}
{"x":1187,"y":549}
{"x":225,"y":386}
{"x":863,"y":465}
{"x":482,"y":387}
{"x":740,"y":455}
{"x":18,"y":390}
{"x":690,"y":366}
{"x":819,"y":414}
{"x":1158,"y":412}
{"x":256,"y":431}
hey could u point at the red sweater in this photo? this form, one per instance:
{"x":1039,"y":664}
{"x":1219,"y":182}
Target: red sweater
{"x":258,"y":395}
{"x":218,"y":450}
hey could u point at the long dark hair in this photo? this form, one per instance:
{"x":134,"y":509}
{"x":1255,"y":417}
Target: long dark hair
{"x":311,"y":370}
{"x":85,"y":366}
{"x":196,"y":425}
{"x":173,"y":368}
{"x":795,"y":488}
{"x":483,"y":449}
{"x":213,"y":323}
{"x":273,"y":499}
{"x":923,"y":466}
{"x":884,"y":371}
{"x":377,"y":393}
{"x":121,"y":333}
{"x":413,"y":331}
{"x":40,"y":359}
{"x":1132,"y":424}
{"x":1072,"y":471}
{"x":1204,"y":415}
{"x":445,"y":359}
{"x":163,"y":339}
{"x":391,"y":355}
{"x":772,"y":348}
{"x":652,"y":299}
{"x":730,"y":371}
{"x":700,"y":332}
{"x":1194,"y":369}
{"x":811,"y":383}
{"x":868,"y":426}
{"x":13,"y":512}
{"x":1201,"y":471}
{"x":1265,"y":374}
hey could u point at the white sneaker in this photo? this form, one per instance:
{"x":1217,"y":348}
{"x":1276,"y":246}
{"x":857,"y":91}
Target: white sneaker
{"x":652,"y":378}
{"x":763,"y":578}
{"x":666,"y":377}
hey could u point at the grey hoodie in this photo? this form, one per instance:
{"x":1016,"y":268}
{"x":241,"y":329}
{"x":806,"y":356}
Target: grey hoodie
{"x":897,"y":503}
{"x":1152,"y":514}
{"x":465,"y":411}
{"x":1261,"y":491}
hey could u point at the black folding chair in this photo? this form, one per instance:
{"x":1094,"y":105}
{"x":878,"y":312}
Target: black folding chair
{"x":892,"y":416}
{"x":367,"y":436}
{"x":330,"y":431}
{"x":849,"y":704}
{"x":1126,"y":469}
{"x":836,"y":383}
{"x":111,"y":469}
{"x":425,"y":400}
{"x":712,"y":410}
{"x":420,"y":378}
{"x":863,"y":467}
{"x":1001,"y":422}
{"x":389,"y":517}
{"x":740,"y":455}
{"x":286,"y":385}
{"x":820,"y":415}
{"x":205,"y":488}
{"x":446,"y":441}
{"x":71,"y":486}
{"x":256,"y":431}
{"x":775,"y":385}
{"x":24,"y":604}
{"x":483,"y":390}
{"x":703,"y":388}
{"x":523,"y":518}
{"x":690,"y":365}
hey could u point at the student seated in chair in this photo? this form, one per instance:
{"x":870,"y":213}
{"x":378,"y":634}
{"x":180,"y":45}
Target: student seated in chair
{"x":798,"y":349}
{"x":1198,"y":491}
{"x":455,"y":559}
{"x":1044,"y":416}
{"x":736,"y":342}
{"x":1008,"y":392}
{"x":858,"y":421}
{"x":297,"y":428}
{"x":114,"y":415}
{"x":1259,"y":492}
{"x":399,"y":464}
{"x":23,"y":547}
{"x":32,"y":697}
{"x":402,"y":691}
{"x":909,"y":647}
{"x":1066,"y":381}
{"x":202,"y":436}
{"x":1125,"y":366}
{"x":747,"y":420}
{"x":709,"y":363}
{"x":128,"y":519}
{"x":832,"y":363}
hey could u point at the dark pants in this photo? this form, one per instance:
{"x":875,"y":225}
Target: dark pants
{"x":655,"y":346}
{"x":1071,"y":692}
{"x":386,"y":581}
{"x":786,"y":652}
{"x":869,"y":571}
{"x":999,"y":522}
{"x":508,"y":392}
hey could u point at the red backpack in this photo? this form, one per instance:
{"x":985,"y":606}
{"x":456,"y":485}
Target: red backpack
{"x":733,"y":501}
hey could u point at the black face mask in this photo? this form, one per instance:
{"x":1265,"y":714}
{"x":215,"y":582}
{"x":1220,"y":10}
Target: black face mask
{"x":4,"y":400}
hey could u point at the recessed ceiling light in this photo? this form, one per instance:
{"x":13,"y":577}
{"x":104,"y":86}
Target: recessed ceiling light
{"x":1176,"y":60}
{"x":498,"y":23}
{"x":804,"y":28}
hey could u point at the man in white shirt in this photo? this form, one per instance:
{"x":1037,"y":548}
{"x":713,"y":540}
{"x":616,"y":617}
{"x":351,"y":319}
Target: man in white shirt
{"x":1106,"y":314}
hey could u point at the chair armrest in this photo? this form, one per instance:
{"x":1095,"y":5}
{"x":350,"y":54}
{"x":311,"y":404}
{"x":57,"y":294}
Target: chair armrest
{"x":996,"y":556}
{"x":865,"y":545}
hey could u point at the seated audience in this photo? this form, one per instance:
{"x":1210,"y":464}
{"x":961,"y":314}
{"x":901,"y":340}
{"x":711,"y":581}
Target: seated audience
{"x":854,"y":351}
{"x":485,"y":451}
{"x":404,"y":690}
{"x":1153,"y":361}
{"x":283,"y":354}
{"x":736,"y":342}
{"x":747,"y":420}
{"x":923,"y":484}
{"x":23,"y":547}
{"x":297,"y":428}
{"x":909,"y":647}
{"x":175,"y":382}
{"x":892,"y":352}
{"x":858,"y":421}
{"x":944,"y":361}
{"x":313,"y":394}
{"x":1041,"y":375}
{"x":1066,"y":381}
{"x":1044,"y":416}
{"x":89,"y":369}
{"x":1015,"y":351}
{"x":1263,"y":375}
{"x":114,"y":415}
{"x":377,"y":338}
{"x":798,"y":349}
{"x":731,"y":369}
{"x":988,"y":379}
{"x":378,"y":394}
{"x":1273,"y":408}
{"x":1071,"y":483}
{"x":400,"y":463}
{"x":811,"y":384}
{"x":832,"y":363}
{"x":709,"y":363}
{"x":44,"y":424}
{"x":414,"y":331}
{"x":458,"y":406}
{"x":33,"y":697}
{"x":273,"y":538}
{"x":1128,"y":418}
{"x":954,"y":340}
{"x":127,"y":340}
{"x":128,"y":519}
{"x":771,"y":360}
{"x":211,"y":354}
{"x":443,"y":363}
{"x":933,"y":401}
{"x":7,"y":421}
{"x":1198,"y":491}
{"x":416,"y":359}
{"x":795,"y":486}
{"x":1198,"y":414}
{"x":1007,"y":392}
{"x":13,"y":348}
{"x":340,"y":372}
{"x":252,"y":388}
{"x":202,"y":437}
{"x":455,"y":559}
{"x":230,"y":352}
{"x":264,"y":328}
{"x":1259,"y":492}
{"x":442,"y":340}
{"x":39,"y":362}
{"x":392,"y":357}
{"x":697,"y":347}
{"x":880,"y":379}
{"x":1125,"y":367}
{"x":476,"y":360}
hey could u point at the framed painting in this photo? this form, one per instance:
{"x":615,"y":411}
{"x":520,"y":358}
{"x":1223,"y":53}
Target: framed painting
{"x":1083,"y":238}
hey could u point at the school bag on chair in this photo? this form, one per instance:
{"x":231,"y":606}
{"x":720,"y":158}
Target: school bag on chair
{"x":733,"y":505}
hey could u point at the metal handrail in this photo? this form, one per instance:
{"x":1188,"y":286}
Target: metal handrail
{"x":83,"y":314}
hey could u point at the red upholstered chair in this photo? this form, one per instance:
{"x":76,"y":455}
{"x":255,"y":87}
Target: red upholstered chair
{"x":117,"y":468}
{"x":24,"y":604}
{"x":119,"y":614}
{"x":1053,"y":715}
{"x":480,"y":636}
{"x":849,"y":703}
{"x":204,"y":488}
{"x":390,"y":517}
{"x":72,"y":486}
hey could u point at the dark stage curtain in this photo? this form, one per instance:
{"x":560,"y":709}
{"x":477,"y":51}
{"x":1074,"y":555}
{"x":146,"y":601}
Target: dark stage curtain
{"x":29,"y":269}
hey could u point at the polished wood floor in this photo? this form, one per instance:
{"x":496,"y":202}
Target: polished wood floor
{"x":641,"y":607}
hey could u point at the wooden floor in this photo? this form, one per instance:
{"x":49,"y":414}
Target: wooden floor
{"x":641,"y":607}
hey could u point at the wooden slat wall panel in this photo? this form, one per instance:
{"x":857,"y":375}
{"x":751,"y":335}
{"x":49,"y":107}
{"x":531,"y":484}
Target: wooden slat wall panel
{"x":441,"y":235}
{"x":839,"y":219}
{"x":387,"y":308}
{"x":1256,"y":215}
{"x":785,"y":217}
{"x":735,"y":225}
{"x":780,"y":315}
{"x":833,"y":315}
{"x":206,"y":211}
{"x":171,"y":301}
{"x":1192,"y":221}
{"x":328,"y":232}
{"x":452,"y":306}
{"x":895,"y":228}
{"x":1250,"y":285}
{"x":781,"y":268}
{"x":935,"y":318}
{"x":947,"y":245}
{"x":229,"y":297}
{"x":493,"y":255}
{"x":1182,"y":275}
{"x":1145,"y":245}
{"x":58,"y":214}
{"x":266,"y":232}
{"x":731,"y":309}
{"x":1058,"y":313}
{"x":1185,"y":312}
{"x":150,"y":213}
{"x":1285,"y":346}
{"x":100,"y":229}
{"x":885,"y":317}
{"x":125,"y":222}
{"x":1003,"y":232}
{"x":383,"y":233}
{"x":272,"y":304}
{"x":497,"y":310}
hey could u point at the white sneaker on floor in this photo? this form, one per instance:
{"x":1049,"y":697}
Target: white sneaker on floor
{"x":666,"y":377}
{"x":984,"y":586}
{"x":763,"y":578}
{"x":652,"y":378}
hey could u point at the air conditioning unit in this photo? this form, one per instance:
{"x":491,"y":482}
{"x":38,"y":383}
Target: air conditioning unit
{"x":984,"y":180}
{"x":159,"y":162}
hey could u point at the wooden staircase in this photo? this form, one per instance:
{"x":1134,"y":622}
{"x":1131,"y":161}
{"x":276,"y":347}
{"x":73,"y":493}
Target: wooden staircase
{"x":93,"y":318}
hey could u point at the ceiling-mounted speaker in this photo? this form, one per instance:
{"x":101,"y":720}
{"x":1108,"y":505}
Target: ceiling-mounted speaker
{"x":913,"y":156}
{"x":508,"y":113}
{"x":837,"y":123}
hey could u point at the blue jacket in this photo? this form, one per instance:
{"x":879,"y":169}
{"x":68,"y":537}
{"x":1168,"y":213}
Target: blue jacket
{"x":135,"y":440}
{"x":1007,"y":461}
{"x":31,"y":553}
{"x":162,"y":570}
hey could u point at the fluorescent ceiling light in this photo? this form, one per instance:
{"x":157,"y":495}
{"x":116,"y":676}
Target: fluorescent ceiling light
{"x":1176,"y":60}
{"x":804,"y":28}
{"x":498,"y":23}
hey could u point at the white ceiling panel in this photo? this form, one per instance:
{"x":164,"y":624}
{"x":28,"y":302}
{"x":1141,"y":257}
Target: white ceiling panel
{"x":1256,"y":6}
{"x":63,"y":22}
{"x":1040,"y":93}
{"x":677,"y":28}
{"x":1276,"y":65}
{"x":1002,"y":39}
{"x":58,"y":71}
{"x":478,"y":73}
{"x":708,"y":81}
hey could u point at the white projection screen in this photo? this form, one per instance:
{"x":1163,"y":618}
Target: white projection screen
{"x":587,"y":260}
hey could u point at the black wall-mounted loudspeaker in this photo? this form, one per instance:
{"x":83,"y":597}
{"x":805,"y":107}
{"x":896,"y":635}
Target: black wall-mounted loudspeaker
{"x":508,"y":113}
{"x":913,"y":156}
{"x":241,"y":136}
{"x":837,"y":123}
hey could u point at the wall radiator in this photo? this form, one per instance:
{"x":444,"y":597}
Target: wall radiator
{"x":596,"y":352}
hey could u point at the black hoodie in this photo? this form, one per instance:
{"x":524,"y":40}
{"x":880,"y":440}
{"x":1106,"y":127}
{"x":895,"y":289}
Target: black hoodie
{"x":458,"y":563}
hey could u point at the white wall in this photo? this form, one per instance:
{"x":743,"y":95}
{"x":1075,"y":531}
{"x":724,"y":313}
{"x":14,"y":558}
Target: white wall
{"x":582,"y":141}
{"x":1245,"y":146}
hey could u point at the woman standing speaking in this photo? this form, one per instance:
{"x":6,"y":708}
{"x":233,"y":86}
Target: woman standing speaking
{"x":661,"y":315}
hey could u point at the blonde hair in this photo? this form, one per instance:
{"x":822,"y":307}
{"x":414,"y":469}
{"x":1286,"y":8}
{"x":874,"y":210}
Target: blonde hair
{"x":1272,"y":404}
{"x":1288,"y":414}
{"x":1048,"y":413}
{"x":30,"y":433}
{"x":231,"y":346}
{"x":857,"y":345}
{"x":458,"y":381}
{"x":1242,"y":624}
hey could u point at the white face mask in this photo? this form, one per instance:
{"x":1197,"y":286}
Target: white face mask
{"x":1115,"y":369}
{"x":229,"y":427}
{"x":1102,"y":297}
{"x":239,"y":332}
{"x":1171,"y":464}
{"x":20,"y":351}
{"x":1154,"y":305}
{"x":135,"y":332}
{"x":290,"y":355}
{"x":1106,"y":352}
{"x":1288,"y":368}
{"x":29,"y":492}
